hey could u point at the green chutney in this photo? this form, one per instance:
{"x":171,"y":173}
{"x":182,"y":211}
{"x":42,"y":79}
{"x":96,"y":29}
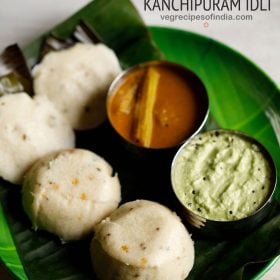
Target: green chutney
{"x":221,"y":176}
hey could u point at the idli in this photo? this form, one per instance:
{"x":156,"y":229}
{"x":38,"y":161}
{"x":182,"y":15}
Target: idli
{"x":68,"y":192}
{"x":142,"y":240}
{"x":76,"y":80}
{"x":30,"y":128}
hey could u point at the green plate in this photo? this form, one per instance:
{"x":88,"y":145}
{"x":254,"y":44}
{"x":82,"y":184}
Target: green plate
{"x":232,"y":82}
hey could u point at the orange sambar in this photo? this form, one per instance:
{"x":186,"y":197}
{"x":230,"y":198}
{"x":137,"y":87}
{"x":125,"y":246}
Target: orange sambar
{"x":157,"y":105}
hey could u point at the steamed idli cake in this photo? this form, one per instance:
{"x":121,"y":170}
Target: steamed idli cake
{"x":68,"y":192}
{"x":76,"y":80}
{"x":29,"y":129}
{"x":142,"y":240}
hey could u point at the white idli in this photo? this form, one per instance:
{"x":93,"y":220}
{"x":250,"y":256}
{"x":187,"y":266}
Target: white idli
{"x":68,"y":192}
{"x":142,"y":240}
{"x":29,"y":129}
{"x":76,"y":80}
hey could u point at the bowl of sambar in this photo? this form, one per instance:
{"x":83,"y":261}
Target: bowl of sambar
{"x":157,"y":105}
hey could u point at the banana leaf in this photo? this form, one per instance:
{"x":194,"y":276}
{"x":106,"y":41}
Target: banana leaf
{"x":14,"y":73}
{"x":227,"y":259}
{"x":119,"y":26}
{"x":82,"y":33}
{"x":41,"y":255}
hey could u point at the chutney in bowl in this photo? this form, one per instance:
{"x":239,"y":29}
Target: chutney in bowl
{"x":224,"y":180}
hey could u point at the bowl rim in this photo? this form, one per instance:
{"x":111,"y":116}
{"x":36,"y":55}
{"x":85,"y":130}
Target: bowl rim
{"x":264,"y":151}
{"x":121,"y":76}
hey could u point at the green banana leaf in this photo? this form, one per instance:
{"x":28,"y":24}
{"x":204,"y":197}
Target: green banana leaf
{"x":222,"y":260}
{"x":241,"y":97}
{"x":119,"y":26}
{"x":14,"y":73}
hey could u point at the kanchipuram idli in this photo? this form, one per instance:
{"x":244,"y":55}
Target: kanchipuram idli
{"x":68,"y":192}
{"x":76,"y":80}
{"x":30,"y":128}
{"x":142,"y":240}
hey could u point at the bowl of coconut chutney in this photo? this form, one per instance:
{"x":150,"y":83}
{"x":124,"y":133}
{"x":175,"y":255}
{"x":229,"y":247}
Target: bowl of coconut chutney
{"x":224,"y":181}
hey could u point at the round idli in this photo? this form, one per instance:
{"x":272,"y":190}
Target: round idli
{"x":30,"y":128}
{"x":142,"y":240}
{"x":76,"y":80}
{"x":68,"y":192}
